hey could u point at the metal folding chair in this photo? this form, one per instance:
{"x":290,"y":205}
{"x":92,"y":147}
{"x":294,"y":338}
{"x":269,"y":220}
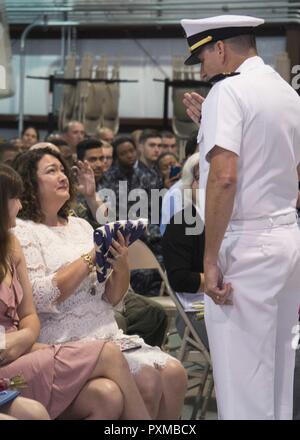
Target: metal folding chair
{"x":141,"y":257}
{"x":193,"y":345}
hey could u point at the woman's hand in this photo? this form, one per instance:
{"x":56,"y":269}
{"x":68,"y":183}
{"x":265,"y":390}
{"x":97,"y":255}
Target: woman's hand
{"x":119,"y":252}
{"x":38,"y":346}
{"x":169,"y":181}
{"x":85,"y":178}
{"x":14,"y":347}
{"x":117,"y":285}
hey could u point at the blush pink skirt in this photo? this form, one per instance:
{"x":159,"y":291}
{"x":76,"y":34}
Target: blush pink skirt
{"x":55,"y":375}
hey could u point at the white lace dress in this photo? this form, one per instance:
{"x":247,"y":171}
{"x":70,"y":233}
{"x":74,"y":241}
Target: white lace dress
{"x":83,"y":315}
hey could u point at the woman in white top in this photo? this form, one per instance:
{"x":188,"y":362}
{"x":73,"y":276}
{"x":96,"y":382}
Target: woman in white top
{"x":71,"y":304}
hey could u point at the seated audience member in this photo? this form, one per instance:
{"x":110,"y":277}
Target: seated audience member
{"x":150,"y":149}
{"x":98,"y":154}
{"x":168,"y":142}
{"x":172,"y":201}
{"x":89,"y":175}
{"x":143,"y":317}
{"x":123,"y":177}
{"x":30,"y":136}
{"x":165,"y":162}
{"x":72,"y":305}
{"x":183,"y":244}
{"x":64,"y":148}
{"x":105,"y":134}
{"x":148,"y":283}
{"x":73,"y":133}
{"x":139,"y":315}
{"x":7,"y":153}
{"x":107,"y":156}
{"x":123,"y":170}
{"x":86,"y":380}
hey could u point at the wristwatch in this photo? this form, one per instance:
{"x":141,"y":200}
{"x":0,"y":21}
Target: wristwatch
{"x":88,"y":261}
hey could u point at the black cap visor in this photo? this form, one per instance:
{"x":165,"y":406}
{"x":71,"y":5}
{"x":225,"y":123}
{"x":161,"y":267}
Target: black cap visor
{"x":216,"y":35}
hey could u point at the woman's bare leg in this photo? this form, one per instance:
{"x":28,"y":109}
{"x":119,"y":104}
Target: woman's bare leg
{"x":174,"y":383}
{"x":99,"y":399}
{"x":149,"y":383}
{"x":26,"y":409}
{"x":6,"y":417}
{"x":113,"y":365}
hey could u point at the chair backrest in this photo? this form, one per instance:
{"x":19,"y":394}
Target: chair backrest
{"x":195,"y":341}
{"x":141,"y":257}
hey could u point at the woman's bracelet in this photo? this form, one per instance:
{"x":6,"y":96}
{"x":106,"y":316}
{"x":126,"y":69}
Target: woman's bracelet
{"x":88,"y":261}
{"x":202,"y":282}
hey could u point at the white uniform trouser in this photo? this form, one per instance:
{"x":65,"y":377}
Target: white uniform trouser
{"x":250,"y":341}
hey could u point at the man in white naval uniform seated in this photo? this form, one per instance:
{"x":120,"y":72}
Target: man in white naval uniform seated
{"x":249,"y":154}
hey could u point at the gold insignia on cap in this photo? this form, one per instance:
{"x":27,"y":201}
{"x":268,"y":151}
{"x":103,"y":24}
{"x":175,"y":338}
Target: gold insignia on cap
{"x":201,"y":42}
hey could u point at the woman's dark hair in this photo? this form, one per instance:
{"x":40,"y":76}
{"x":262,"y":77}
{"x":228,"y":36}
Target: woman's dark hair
{"x":10,"y":188}
{"x":26,"y":165}
{"x":33,"y":128}
{"x":165,"y":154}
{"x":121,"y":140}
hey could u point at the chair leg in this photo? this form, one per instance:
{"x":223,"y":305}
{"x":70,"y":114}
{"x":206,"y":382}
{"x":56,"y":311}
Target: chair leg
{"x":207,"y":398}
{"x":198,"y":400}
{"x":183,"y":347}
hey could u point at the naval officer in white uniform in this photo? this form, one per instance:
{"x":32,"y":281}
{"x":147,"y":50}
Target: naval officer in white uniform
{"x":249,"y":154}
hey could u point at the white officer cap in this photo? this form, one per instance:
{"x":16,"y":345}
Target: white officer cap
{"x":212,"y":29}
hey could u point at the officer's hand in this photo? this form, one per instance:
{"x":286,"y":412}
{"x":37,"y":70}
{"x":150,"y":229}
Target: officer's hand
{"x":193,"y":102}
{"x":219,"y":291}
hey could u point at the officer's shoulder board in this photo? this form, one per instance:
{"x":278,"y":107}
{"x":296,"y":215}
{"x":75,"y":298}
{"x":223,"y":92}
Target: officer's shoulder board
{"x":222,"y":76}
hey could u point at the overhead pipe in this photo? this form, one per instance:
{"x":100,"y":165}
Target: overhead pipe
{"x":38,"y":22}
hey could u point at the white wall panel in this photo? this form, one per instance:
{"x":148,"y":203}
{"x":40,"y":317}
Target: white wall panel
{"x":138,"y":100}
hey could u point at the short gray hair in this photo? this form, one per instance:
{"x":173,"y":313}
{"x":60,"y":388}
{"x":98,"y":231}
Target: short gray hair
{"x":188,"y":170}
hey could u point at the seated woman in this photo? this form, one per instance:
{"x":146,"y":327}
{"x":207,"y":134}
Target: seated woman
{"x":30,"y":136}
{"x":169,"y":168}
{"x":72,"y":305}
{"x":76,"y":380}
{"x":183,"y":244}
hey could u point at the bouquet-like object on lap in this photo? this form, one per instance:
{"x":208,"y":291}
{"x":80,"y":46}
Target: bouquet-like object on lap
{"x":12,"y":383}
{"x":9,"y":388}
{"x":103,"y":236}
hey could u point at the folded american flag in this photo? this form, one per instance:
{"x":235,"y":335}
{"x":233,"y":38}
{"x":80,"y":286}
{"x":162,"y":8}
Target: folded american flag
{"x":104,"y":235}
